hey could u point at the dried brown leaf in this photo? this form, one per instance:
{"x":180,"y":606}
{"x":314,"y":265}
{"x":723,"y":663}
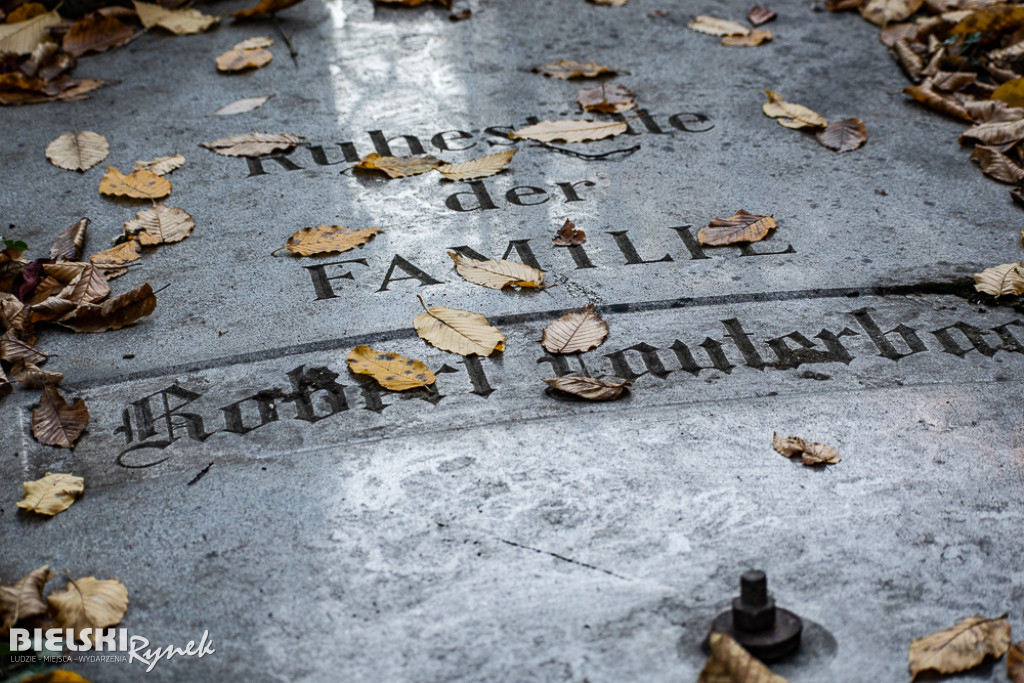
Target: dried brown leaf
{"x":995,"y":133}
{"x":264,"y":7}
{"x":497,"y":274}
{"x":253,"y":144}
{"x":53,"y":308}
{"x":137,"y":184}
{"x":791,"y":115}
{"x":32,"y":376}
{"x":947,"y":104}
{"x":23,"y":37}
{"x":88,"y":603}
{"x":24,"y":598}
{"x":161,"y":165}
{"x":909,"y":60}
{"x":997,"y":165}
{"x":731,"y":663}
{"x":960,"y":647}
{"x":752,"y":39}
{"x":894,"y":33}
{"x":161,"y":224}
{"x":810,"y":452}
{"x":254,"y":43}
{"x":588,"y":387}
{"x":391,"y":370}
{"x":714,"y":26}
{"x":1002,"y":280}
{"x":52,"y":494}
{"x":68,"y":244}
{"x":570,"y":68}
{"x":55,"y":422}
{"x":117,"y":256}
{"x":1015,"y":663}
{"x":607,"y":98}
{"x":569,"y":236}
{"x":88,"y":287}
{"x":113,"y":314}
{"x":178,"y":21}
{"x":458,"y":331}
{"x":843,"y":136}
{"x":5,"y":386}
{"x":882,"y":12}
{"x":610,"y":3}
{"x":576,"y":331}
{"x":569,"y":131}
{"x":328,"y":239}
{"x":841,"y":5}
{"x":15,"y":350}
{"x":952,"y":81}
{"x":759,"y":14}
{"x":481,"y":167}
{"x":78,"y":151}
{"x":399,"y":167}
{"x":95,"y":33}
{"x":239,"y":60}
{"x":742,"y":226}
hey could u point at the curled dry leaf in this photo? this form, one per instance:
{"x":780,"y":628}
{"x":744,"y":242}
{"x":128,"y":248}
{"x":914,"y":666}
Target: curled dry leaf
{"x":253,"y":144}
{"x":497,"y":274}
{"x":24,"y":598}
{"x":161,"y":165}
{"x":264,"y":7}
{"x":5,"y":386}
{"x":759,"y":14}
{"x":569,"y":131}
{"x":161,"y":224}
{"x":742,"y":226}
{"x":52,"y":309}
{"x":120,"y":311}
{"x":588,"y":387}
{"x":55,"y":422}
{"x":328,"y":239}
{"x":1015,"y":663}
{"x":89,"y":286}
{"x":68,"y":244}
{"x":608,"y":98}
{"x":399,"y":167}
{"x":391,"y":370}
{"x":791,"y":115}
{"x":119,"y":255}
{"x":576,"y":331}
{"x":948,"y":103}
{"x":178,"y":21}
{"x":88,"y":603}
{"x":52,"y":494}
{"x":570,"y":68}
{"x":995,"y":133}
{"x":997,"y":165}
{"x":242,"y":106}
{"x":481,"y":167}
{"x":33,"y":377}
{"x":752,"y":39}
{"x":843,"y":136}
{"x":458,"y":331}
{"x":810,"y":452}
{"x":909,"y":60}
{"x":95,"y":33}
{"x":239,"y":60}
{"x":78,"y":151}
{"x":15,"y":350}
{"x":23,"y":37}
{"x":731,"y":663}
{"x":717,"y":27}
{"x":137,"y":184}
{"x":882,"y":12}
{"x":960,"y":647}
{"x":1001,"y":280}
{"x":568,"y":235}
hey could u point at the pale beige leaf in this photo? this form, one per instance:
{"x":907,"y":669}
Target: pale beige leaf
{"x":55,"y":422}
{"x":88,"y":603}
{"x":1001,"y":280}
{"x":52,"y":494}
{"x":882,"y":12}
{"x":328,"y":239}
{"x":458,"y":331}
{"x":570,"y":68}
{"x":240,"y":60}
{"x":754,"y":38}
{"x":997,"y":165}
{"x":253,"y":144}
{"x":118,"y":255}
{"x":731,"y":663}
{"x":15,"y":350}
{"x":178,"y":21}
{"x":22,"y":37}
{"x":255,"y":43}
{"x":714,"y":26}
{"x":589,"y":388}
{"x":569,"y":131}
{"x":791,"y":115}
{"x":497,"y":274}
{"x":960,"y":647}
{"x":391,"y":370}
{"x":242,"y":106}
{"x":24,"y":598}
{"x":742,"y":226}
{"x":161,"y":224}
{"x":399,"y":167}
{"x":78,"y":151}
{"x":68,"y":244}
{"x":1015,"y":663}
{"x":161,"y":165}
{"x":996,"y":133}
{"x":32,"y":376}
{"x":137,"y":184}
{"x":576,"y":331}
{"x":481,"y":167}
{"x":607,"y":98}
{"x":810,"y":452}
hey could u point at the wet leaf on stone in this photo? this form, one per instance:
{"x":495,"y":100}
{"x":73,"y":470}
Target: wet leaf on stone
{"x":391,"y":370}
{"x":78,"y":151}
{"x":607,"y":98}
{"x":23,"y":599}
{"x":753,"y":38}
{"x":791,"y":115}
{"x":68,"y":244}
{"x":23,"y":37}
{"x":497,"y":274}
{"x":568,"y":235}
{"x":161,"y":165}
{"x":32,"y":376}
{"x":882,"y":12}
{"x":569,"y":131}
{"x":242,"y":106}
{"x":742,"y":226}
{"x":759,"y":14}
{"x":714,"y":26}
{"x":55,"y":422}
{"x":263,"y":8}
{"x":119,"y":255}
{"x":960,"y":647}
{"x":576,"y":331}
{"x":399,"y":167}
{"x":843,"y":136}
{"x":88,"y":603}
{"x":161,"y":224}
{"x":328,"y":239}
{"x":95,"y":33}
{"x":253,"y":144}
{"x":137,"y":184}
{"x":458,"y":331}
{"x":1002,"y":280}
{"x":589,"y":388}
{"x":997,"y":165}
{"x":810,"y":452}
{"x":113,"y":314}
{"x":731,"y":663}
{"x":481,"y":167}
{"x":570,"y":68}
{"x":52,"y":494}
{"x":178,"y":21}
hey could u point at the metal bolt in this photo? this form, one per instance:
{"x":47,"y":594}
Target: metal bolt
{"x":766,"y":631}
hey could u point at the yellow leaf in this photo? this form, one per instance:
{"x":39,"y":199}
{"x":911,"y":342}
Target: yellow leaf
{"x":55,"y":676}
{"x":160,"y":225}
{"x":731,"y":663}
{"x":882,"y":12}
{"x":55,"y":422}
{"x":569,"y":131}
{"x":996,"y":18}
{"x":480,"y":167}
{"x":178,"y":21}
{"x":161,"y":165}
{"x":252,"y":144}
{"x":52,"y":494}
{"x":117,"y":256}
{"x":137,"y":184}
{"x":327,"y":239}
{"x":1011,"y":92}
{"x":960,"y":647}
{"x":398,"y":167}
{"x":570,"y":68}
{"x":89,"y":603}
{"x":78,"y":151}
{"x":717,"y":27}
{"x":391,"y":370}
{"x":23,"y":36}
{"x":753,"y":39}
{"x":740,"y":227}
{"x":791,"y":115}
{"x":497,"y":274}
{"x":1001,"y":280}
{"x":575,"y":331}
{"x":24,"y":598}
{"x":589,"y":388}
{"x":458,"y":331}
{"x":810,"y":452}
{"x":239,"y":60}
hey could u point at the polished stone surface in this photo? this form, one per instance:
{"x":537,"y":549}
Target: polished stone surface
{"x":491,"y":530}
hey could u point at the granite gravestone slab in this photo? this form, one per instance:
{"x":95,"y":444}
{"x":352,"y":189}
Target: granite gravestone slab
{"x":491,"y":530}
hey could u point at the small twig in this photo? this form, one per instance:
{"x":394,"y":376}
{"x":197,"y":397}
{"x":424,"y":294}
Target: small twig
{"x":162,"y":288}
{"x":202,"y":473}
{"x":284,"y":37}
{"x":274,"y":253}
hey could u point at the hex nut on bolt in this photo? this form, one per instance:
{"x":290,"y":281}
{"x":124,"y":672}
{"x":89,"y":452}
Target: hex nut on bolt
{"x":768,"y":632}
